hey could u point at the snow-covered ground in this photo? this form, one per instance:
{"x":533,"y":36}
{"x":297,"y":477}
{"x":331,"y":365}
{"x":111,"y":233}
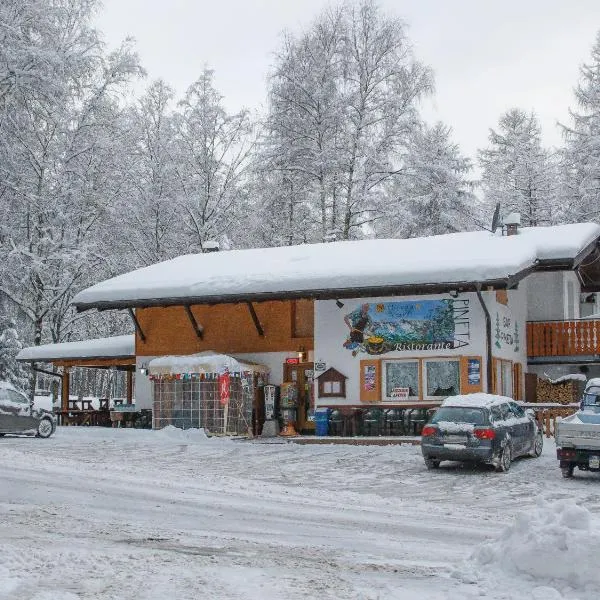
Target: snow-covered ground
{"x":131,"y":514}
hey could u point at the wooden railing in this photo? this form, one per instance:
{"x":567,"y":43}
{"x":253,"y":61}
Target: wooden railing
{"x":547,"y":417}
{"x":563,"y":338}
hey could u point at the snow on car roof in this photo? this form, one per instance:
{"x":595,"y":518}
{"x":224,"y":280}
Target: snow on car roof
{"x":315,"y":269}
{"x":593,"y":382}
{"x":119,"y":346}
{"x":478,"y":400}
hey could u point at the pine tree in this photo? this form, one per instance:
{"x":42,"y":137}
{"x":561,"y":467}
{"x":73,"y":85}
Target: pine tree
{"x":518,"y":172}
{"x":10,"y":345}
{"x":581,"y":158}
{"x":432,"y":193}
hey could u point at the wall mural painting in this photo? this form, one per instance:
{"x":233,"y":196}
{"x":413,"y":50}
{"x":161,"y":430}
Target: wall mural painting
{"x":412,"y":325}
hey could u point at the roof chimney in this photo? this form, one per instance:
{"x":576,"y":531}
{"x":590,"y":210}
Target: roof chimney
{"x":211,"y":246}
{"x":511,"y":224}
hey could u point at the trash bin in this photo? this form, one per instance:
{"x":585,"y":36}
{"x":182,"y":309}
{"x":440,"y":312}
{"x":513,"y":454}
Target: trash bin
{"x":322,"y":421}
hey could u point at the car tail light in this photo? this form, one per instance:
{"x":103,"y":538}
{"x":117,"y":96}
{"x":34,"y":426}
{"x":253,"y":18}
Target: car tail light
{"x":566,"y":453}
{"x":484,"y":434}
{"x":428,"y":431}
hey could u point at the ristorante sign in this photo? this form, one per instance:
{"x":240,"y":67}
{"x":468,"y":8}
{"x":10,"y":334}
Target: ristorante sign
{"x":411,"y":326}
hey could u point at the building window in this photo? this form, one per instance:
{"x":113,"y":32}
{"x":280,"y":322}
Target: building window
{"x":441,"y":378}
{"x":399,"y":374}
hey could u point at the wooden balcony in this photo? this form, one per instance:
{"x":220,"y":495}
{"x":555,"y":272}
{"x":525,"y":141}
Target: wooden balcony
{"x":563,"y":338}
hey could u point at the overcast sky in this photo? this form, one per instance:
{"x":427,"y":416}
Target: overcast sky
{"x":487,"y":55}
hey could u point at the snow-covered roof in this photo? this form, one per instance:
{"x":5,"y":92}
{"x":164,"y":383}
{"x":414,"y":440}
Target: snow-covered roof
{"x":477,"y":400}
{"x":363,"y":267}
{"x":202,"y":362}
{"x":120,"y":346}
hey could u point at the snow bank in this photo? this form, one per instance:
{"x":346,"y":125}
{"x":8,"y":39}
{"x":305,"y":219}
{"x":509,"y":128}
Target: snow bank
{"x":171,"y":433}
{"x":569,"y":377}
{"x":555,"y":542}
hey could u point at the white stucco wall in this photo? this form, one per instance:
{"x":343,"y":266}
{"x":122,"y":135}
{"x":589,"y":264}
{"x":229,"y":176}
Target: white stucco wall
{"x":548,"y":296}
{"x":331,"y":332}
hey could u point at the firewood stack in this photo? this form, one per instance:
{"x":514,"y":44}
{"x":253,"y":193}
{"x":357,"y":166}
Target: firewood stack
{"x":566,"y":391}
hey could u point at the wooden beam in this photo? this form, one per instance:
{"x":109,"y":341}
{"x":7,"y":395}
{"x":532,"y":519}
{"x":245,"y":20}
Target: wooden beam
{"x":137,"y":324}
{"x":198,"y":329}
{"x":259,"y":327}
{"x":129,"y":387}
{"x":64,"y":391}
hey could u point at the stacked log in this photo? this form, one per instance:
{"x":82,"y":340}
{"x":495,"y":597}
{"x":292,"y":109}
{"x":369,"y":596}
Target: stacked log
{"x":565,"y":391}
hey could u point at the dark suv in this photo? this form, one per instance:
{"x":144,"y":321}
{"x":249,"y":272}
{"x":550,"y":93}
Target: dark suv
{"x":480,"y":428}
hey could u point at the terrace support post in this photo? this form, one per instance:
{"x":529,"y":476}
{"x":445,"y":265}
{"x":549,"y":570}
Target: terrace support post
{"x":488,"y":341}
{"x":129,"y":387}
{"x":65,"y":388}
{"x":257,"y":324}
{"x":137,"y":325}
{"x":198,"y":329}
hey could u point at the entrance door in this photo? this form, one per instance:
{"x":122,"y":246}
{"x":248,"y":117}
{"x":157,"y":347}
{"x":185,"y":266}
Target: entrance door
{"x":302,"y":375}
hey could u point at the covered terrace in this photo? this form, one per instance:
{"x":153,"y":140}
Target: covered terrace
{"x":117,"y":352}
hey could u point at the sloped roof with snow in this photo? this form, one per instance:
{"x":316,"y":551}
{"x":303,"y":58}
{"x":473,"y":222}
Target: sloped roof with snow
{"x":120,"y":346}
{"x":343,"y":269}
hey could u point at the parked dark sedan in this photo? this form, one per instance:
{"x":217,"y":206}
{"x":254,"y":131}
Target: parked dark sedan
{"x":480,"y":428}
{"x":18,"y":415}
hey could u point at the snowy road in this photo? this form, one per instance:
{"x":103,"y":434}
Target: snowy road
{"x":127,"y":514}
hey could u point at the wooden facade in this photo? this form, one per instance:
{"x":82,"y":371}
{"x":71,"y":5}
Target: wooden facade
{"x":563,"y":338}
{"x":226,"y":328}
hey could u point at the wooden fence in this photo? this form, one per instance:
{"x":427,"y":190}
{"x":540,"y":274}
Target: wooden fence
{"x":548,"y":414}
{"x":563,"y":338}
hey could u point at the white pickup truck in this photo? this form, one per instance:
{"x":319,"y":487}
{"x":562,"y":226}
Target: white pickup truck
{"x":578,"y":436}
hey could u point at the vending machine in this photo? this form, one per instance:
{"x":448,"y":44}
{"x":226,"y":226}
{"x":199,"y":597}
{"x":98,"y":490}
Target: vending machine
{"x":288,"y":408}
{"x":270,"y":427}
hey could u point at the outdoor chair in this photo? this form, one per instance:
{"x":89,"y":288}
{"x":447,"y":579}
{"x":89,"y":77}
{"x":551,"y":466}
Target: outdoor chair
{"x":395,"y":422}
{"x":374,"y":422}
{"x":336,"y":423}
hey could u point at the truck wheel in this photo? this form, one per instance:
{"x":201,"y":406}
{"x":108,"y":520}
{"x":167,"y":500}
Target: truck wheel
{"x":567,"y":471}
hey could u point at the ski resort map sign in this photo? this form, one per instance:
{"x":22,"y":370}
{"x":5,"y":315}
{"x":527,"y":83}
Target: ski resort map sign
{"x":409,"y":326}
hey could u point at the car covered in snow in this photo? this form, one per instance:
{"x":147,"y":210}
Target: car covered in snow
{"x":578,"y":435}
{"x":481,"y":428}
{"x":19,"y":416}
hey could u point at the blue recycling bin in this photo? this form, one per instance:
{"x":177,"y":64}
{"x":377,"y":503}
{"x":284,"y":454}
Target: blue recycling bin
{"x":322,"y":421}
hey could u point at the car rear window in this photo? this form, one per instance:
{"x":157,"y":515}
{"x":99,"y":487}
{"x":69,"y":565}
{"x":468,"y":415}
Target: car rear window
{"x":460,"y":414}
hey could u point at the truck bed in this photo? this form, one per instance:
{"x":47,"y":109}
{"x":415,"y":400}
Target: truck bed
{"x":581,"y":430}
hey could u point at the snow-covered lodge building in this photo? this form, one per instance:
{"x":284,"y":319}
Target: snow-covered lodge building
{"x":372,"y":323}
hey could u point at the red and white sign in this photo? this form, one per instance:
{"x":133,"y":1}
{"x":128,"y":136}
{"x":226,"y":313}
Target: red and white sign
{"x":400,"y":393}
{"x":224,"y":388}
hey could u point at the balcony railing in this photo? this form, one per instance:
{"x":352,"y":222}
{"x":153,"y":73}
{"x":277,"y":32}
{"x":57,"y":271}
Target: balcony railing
{"x":563,"y":338}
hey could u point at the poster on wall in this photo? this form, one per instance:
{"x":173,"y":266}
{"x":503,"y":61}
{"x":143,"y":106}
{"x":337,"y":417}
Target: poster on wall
{"x":411,"y":325}
{"x":474,"y":371}
{"x":369,"y":378}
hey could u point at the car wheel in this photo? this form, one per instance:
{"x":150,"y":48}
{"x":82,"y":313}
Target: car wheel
{"x":45,"y":428}
{"x":432,"y":464}
{"x":538,"y":444}
{"x":567,"y":472}
{"x":505,"y":459}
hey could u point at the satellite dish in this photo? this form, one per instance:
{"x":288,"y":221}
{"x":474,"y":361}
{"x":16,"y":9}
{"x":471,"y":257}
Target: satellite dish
{"x":496,"y":218}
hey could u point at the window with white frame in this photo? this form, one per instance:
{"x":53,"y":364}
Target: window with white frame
{"x":441,"y":378}
{"x":398,"y":374}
